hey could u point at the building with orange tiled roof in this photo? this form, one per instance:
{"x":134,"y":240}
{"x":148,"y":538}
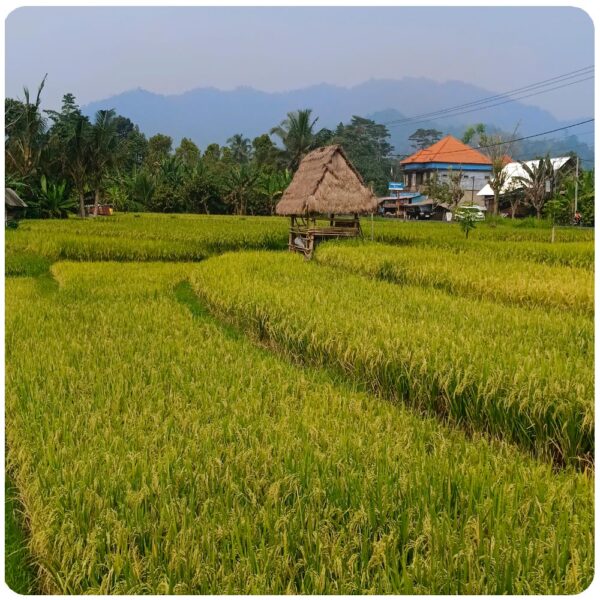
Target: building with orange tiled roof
{"x":447,"y":156}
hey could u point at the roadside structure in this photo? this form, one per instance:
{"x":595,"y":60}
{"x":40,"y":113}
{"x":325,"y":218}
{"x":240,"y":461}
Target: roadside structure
{"x":425,"y":208}
{"x":324,"y":200}
{"x":398,"y":199}
{"x":444,"y":158}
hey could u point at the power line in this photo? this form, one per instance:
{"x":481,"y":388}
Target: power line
{"x":414,"y":120}
{"x":551,"y":81}
{"x":527,"y":137}
{"x":543,"y":83}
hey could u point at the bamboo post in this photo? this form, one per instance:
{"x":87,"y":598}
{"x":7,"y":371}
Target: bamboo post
{"x":576,"y":182}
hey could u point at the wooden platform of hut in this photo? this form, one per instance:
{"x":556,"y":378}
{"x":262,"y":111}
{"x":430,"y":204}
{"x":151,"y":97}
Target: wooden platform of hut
{"x":324,"y":200}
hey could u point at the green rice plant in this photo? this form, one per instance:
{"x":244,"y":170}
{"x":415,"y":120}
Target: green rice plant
{"x":513,"y":282}
{"x":156,"y":452}
{"x":25,"y":264}
{"x":18,"y":568}
{"x":573,"y":254}
{"x":507,"y":231}
{"x":146,"y":237}
{"x":524,"y":375}
{"x":573,"y":247}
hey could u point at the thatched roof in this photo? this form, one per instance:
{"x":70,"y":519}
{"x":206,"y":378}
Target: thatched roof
{"x":326,"y":183}
{"x":12,"y":200}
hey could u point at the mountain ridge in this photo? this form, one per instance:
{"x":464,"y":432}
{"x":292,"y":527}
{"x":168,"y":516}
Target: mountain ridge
{"x":209,"y":114}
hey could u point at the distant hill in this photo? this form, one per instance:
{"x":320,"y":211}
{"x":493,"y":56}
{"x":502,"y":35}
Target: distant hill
{"x":210,"y":115}
{"x":557,"y":144}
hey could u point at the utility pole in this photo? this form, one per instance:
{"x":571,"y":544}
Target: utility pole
{"x":576,"y":181}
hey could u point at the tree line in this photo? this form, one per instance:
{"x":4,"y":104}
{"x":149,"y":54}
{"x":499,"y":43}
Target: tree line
{"x":63,"y":161}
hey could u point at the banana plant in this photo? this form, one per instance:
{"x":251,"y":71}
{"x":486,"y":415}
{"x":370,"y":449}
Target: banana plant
{"x":53,"y":200}
{"x":272,"y":186}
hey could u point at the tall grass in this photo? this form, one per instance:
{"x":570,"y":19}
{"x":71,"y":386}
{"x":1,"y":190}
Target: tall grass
{"x":146,"y":237}
{"x":526,"y":230}
{"x":572,"y":247}
{"x":513,"y":282}
{"x":151,"y":237}
{"x":156,"y":453}
{"x":18,"y":568}
{"x":525,"y":375}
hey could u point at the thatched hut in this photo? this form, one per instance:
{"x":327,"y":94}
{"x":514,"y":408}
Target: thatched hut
{"x":14,"y":207}
{"x":325,"y":199}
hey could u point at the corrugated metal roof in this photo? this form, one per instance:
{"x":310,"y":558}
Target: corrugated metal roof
{"x":515,"y":169}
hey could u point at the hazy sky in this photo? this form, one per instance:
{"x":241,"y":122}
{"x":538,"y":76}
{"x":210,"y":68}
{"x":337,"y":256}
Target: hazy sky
{"x":98,"y":52}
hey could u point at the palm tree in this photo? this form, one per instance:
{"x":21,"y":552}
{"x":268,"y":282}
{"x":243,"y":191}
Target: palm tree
{"x":538,"y":183}
{"x":141,"y":187}
{"x":498,"y":181}
{"x":26,"y":131}
{"x":239,"y":185}
{"x":297,"y":134}
{"x":76,"y":157}
{"x":240,"y":148}
{"x":171,"y":172}
{"x":104,"y":150}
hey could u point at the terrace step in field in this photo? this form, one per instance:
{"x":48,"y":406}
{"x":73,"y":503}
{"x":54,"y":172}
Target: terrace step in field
{"x":524,"y":375}
{"x":144,"y":237}
{"x":512,"y":282}
{"x":155,"y":452}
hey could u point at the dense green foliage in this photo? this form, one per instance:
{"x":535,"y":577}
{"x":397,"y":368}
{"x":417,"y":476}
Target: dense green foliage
{"x":57,"y":160}
{"x":525,"y":375}
{"x":561,"y":208}
{"x":157,"y":452}
{"x":84,"y":163}
{"x":423,"y":138}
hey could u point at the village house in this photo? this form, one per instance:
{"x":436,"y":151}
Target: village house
{"x":444,"y":158}
{"x":513,"y":171}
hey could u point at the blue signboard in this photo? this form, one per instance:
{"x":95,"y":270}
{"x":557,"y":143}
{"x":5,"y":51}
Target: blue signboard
{"x":394,"y":185}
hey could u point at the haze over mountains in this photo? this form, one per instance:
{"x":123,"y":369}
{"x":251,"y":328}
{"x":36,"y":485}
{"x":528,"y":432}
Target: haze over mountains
{"x":210,"y":115}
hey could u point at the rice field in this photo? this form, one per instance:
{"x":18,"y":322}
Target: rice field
{"x":191,"y":410}
{"x":524,"y":374}
{"x":499,"y":231}
{"x":573,"y":247}
{"x":509,"y":281}
{"x":152,"y":237}
{"x":143,"y":237}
